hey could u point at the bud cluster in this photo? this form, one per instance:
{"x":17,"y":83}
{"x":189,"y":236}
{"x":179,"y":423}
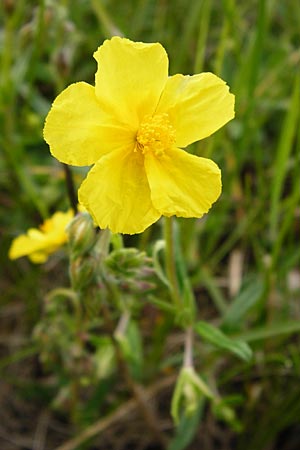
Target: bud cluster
{"x":82,"y":237}
{"x":131,"y":270}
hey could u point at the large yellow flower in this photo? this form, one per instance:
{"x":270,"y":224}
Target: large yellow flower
{"x":39,"y":243}
{"x":132,"y":126}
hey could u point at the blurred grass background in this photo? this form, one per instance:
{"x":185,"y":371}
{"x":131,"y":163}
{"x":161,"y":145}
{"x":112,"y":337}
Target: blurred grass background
{"x":243,"y":258}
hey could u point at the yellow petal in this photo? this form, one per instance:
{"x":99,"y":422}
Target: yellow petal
{"x":116,"y":193}
{"x":38,"y":244}
{"x":56,"y":224}
{"x":79,"y":131}
{"x":26,"y":244}
{"x":197,"y":105}
{"x":38,"y":257}
{"x":130,"y":77}
{"x":182,"y":184}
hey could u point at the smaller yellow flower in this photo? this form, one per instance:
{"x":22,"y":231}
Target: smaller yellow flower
{"x":39,"y":243}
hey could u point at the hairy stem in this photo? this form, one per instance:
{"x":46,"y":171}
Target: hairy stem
{"x":122,"y":324}
{"x":188,"y":347}
{"x":170,"y":260}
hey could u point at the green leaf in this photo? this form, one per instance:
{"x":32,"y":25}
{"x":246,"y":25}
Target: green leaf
{"x":104,"y":358}
{"x":220,"y":340}
{"x":157,"y":248}
{"x":222,"y":411}
{"x":187,"y":428}
{"x":249,"y":296}
{"x":214,"y":290}
{"x":161,"y":304}
{"x":284,"y":150}
{"x":186,"y":313}
{"x":274,"y":330}
{"x":132,"y":349}
{"x":189,"y":390}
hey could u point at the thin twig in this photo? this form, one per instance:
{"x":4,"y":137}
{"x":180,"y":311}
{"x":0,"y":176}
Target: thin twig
{"x":123,"y":411}
{"x":39,"y":439}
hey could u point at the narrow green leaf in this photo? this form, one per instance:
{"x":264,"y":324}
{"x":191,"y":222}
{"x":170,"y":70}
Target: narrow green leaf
{"x":176,"y":398}
{"x":214,"y":291}
{"x":187,"y":295}
{"x":274,"y":330}
{"x":217,"y":338}
{"x":189,"y":390}
{"x":132,"y":349}
{"x":249,"y":296}
{"x":161,"y":304}
{"x":19,"y":356}
{"x":285,"y":146}
{"x":187,"y":428}
{"x":157,"y":248}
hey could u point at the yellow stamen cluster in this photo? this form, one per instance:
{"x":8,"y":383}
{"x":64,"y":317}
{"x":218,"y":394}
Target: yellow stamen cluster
{"x":156,"y":134}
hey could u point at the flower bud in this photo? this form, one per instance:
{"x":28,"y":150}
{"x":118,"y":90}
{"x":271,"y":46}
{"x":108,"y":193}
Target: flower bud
{"x":126,"y":261}
{"x":82,"y":271}
{"x":81,"y":234}
{"x":189,"y":390}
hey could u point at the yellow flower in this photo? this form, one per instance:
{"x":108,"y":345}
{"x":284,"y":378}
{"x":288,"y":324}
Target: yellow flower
{"x":132,"y":126}
{"x":38,"y":244}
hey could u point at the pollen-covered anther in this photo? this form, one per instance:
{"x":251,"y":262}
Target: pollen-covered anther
{"x":156,"y":134}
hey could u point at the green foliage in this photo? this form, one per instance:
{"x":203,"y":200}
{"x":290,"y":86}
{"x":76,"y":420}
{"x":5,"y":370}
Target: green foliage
{"x":118,"y":303}
{"x":189,"y":390}
{"x":217,"y":338}
{"x":249,"y":296}
{"x":187,"y":428}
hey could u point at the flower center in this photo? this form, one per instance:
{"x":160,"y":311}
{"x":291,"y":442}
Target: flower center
{"x":156,"y":134}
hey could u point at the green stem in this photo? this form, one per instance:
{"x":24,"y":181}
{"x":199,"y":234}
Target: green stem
{"x":102,"y":245}
{"x":71,"y":188}
{"x":101,"y":249}
{"x":188,"y":347}
{"x":170,"y":261}
{"x":121,"y":328}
